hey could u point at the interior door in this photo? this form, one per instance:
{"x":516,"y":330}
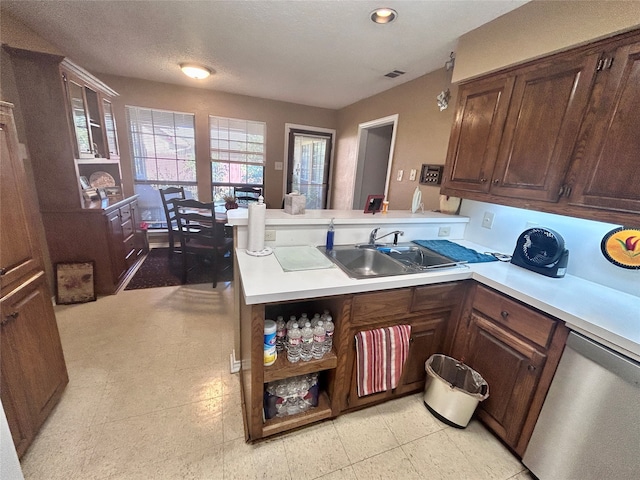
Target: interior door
{"x":308,"y":166}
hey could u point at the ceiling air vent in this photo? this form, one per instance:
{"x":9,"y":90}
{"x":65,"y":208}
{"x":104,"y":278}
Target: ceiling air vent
{"x":395,"y":73}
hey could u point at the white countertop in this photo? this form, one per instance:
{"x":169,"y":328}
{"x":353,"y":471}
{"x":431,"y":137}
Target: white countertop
{"x":604,"y":314}
{"x":239,"y":216}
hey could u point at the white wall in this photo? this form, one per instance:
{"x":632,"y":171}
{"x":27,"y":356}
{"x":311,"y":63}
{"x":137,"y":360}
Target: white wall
{"x":582,"y":238}
{"x":9,"y":464}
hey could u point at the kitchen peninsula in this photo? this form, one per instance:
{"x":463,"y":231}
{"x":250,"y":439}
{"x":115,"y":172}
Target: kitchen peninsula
{"x":437,"y":304}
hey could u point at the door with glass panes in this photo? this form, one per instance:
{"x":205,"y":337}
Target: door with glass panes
{"x":308,"y":166}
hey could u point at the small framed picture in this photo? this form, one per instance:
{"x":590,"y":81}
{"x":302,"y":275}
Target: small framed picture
{"x":373,"y":204}
{"x":84,"y":183}
{"x":75,"y":282}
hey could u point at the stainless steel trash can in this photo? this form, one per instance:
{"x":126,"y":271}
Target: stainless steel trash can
{"x":453,"y":390}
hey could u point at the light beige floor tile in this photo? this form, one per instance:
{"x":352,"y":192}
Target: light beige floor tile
{"x":75,"y":410}
{"x":364,"y":434}
{"x":59,"y":456}
{"x":525,"y":475}
{"x":408,"y":419}
{"x":263,"y":460}
{"x":490,"y":458}
{"x":390,"y":464}
{"x":131,"y":446}
{"x":201,"y":465}
{"x":232,"y":417}
{"x":138,"y":396}
{"x":314,"y":451}
{"x":345,"y":473}
{"x":436,"y":457}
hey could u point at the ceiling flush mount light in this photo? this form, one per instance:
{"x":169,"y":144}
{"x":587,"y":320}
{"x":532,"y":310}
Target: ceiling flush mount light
{"x":383,"y":15}
{"x":195,"y":71}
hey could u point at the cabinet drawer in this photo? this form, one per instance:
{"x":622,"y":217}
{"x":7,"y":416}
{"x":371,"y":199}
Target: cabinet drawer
{"x":127,"y":228}
{"x":125,"y":213}
{"x":532,"y":325}
{"x":381,"y":304}
{"x":437,"y":296}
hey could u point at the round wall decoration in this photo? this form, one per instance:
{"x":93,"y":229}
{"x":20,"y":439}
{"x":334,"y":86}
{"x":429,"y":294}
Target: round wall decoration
{"x":621,"y":246}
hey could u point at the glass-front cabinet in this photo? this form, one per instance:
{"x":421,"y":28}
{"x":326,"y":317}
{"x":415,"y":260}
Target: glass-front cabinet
{"x":91,"y":114}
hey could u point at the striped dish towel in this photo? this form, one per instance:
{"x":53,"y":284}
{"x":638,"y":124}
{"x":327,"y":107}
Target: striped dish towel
{"x":381,"y":354}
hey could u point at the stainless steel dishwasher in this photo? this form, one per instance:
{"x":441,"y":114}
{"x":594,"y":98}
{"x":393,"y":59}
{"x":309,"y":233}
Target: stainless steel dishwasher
{"x":589,"y":426}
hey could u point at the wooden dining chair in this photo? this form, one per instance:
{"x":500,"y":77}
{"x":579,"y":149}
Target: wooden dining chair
{"x":169,"y":195}
{"x":201,"y":235}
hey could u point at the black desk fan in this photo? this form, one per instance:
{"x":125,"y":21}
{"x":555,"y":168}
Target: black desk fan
{"x":541,"y":250}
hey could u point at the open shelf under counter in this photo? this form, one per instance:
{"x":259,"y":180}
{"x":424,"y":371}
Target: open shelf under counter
{"x":283,"y":368}
{"x":315,"y":414}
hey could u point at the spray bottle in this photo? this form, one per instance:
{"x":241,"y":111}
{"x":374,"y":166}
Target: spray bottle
{"x":330,"y":232}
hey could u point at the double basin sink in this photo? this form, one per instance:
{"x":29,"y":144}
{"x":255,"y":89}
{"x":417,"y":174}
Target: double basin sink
{"x":370,"y":261}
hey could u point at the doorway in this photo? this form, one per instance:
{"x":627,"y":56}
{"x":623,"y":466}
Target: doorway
{"x":309,"y":153}
{"x":376,"y":140}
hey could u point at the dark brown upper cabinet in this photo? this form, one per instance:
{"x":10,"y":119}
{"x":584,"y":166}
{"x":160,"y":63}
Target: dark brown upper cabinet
{"x":608,"y":170}
{"x":560,"y":134}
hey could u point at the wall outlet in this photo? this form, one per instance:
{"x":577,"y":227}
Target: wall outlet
{"x":278,"y":165}
{"x":399,"y":177}
{"x":487,"y":220}
{"x":444,"y":231}
{"x":270,"y":235}
{"x":412,"y":174}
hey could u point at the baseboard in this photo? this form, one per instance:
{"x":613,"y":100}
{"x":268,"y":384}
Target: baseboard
{"x":234,"y":365}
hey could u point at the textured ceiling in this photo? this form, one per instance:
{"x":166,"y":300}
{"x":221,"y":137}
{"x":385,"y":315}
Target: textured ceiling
{"x":321,"y":53}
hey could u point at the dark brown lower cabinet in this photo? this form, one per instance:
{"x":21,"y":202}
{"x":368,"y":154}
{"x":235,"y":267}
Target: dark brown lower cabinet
{"x":516,"y":350}
{"x":33,"y":368}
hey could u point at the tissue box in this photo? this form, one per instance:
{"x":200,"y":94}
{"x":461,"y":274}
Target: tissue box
{"x":294,"y":204}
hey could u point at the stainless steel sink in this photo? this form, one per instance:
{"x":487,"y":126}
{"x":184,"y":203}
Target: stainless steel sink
{"x":369,"y":261}
{"x":365,"y":262}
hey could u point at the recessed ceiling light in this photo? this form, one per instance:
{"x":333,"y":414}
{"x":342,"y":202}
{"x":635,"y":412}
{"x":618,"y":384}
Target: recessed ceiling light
{"x":195,"y":71}
{"x":383,"y":15}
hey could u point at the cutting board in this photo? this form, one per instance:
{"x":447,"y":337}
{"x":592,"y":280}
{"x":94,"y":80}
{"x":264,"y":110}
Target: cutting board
{"x":305,"y":257}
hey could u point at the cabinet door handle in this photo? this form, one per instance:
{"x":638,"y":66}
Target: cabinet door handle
{"x":496,"y":181}
{"x":608,"y":63}
{"x":483,"y":180}
{"x":11,"y":316}
{"x":410,"y":339}
{"x":3,"y":271}
{"x":567,"y":191}
{"x":531,"y":368}
{"x":504,"y":314}
{"x":600,"y":65}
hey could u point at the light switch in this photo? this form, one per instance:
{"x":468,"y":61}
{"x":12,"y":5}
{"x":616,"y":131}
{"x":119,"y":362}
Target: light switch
{"x":399,"y":177}
{"x":412,"y":175}
{"x":278,"y":165}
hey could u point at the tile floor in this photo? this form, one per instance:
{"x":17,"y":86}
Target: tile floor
{"x":150,"y":396}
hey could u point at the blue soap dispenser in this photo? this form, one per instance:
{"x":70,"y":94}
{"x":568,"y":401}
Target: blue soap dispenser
{"x":330,"y":232}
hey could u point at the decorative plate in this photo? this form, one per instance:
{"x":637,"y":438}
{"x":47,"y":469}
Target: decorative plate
{"x":621,"y":246}
{"x":101,"y":180}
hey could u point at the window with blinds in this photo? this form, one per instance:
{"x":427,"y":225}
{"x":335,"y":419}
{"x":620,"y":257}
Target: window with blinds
{"x":164,"y":154}
{"x":237,"y":154}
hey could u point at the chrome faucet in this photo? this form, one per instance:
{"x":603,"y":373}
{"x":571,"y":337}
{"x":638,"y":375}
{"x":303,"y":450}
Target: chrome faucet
{"x":373,"y":239}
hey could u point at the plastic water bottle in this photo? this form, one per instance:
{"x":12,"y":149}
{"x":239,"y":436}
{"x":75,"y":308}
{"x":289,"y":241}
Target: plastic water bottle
{"x":307,"y":342}
{"x":324,"y":315}
{"x":319,"y":336}
{"x":281,"y":334}
{"x":303,"y":319}
{"x":329,"y":327}
{"x":293,"y":350}
{"x":314,"y":321}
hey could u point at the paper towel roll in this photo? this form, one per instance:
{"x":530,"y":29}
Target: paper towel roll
{"x":257,"y":213}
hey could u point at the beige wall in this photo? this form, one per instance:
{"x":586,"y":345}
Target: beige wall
{"x":421,"y":137}
{"x":539,"y":28}
{"x":203,"y":103}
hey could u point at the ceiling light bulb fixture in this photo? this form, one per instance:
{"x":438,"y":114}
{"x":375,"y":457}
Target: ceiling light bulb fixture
{"x":195,"y":71}
{"x":383,"y":15}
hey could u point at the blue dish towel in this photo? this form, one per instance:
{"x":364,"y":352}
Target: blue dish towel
{"x":455,"y":252}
